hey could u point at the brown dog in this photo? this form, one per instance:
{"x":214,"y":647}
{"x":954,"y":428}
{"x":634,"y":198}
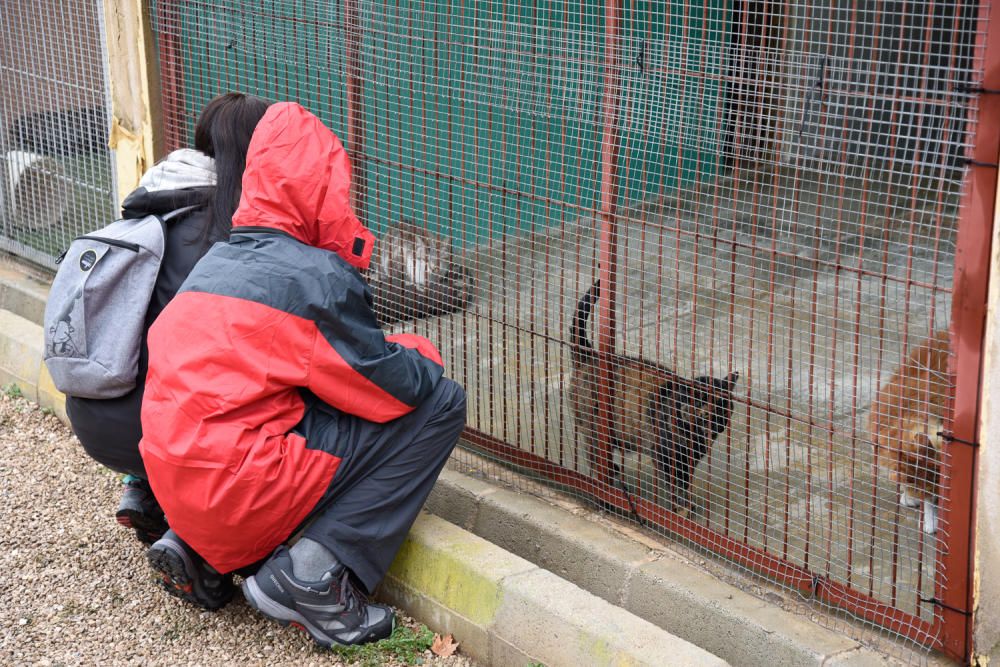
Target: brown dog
{"x":906,"y":422}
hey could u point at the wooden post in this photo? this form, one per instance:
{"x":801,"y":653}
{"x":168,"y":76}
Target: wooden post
{"x":136,"y":129}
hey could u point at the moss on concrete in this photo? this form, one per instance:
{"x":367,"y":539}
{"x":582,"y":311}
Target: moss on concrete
{"x":446,"y":577}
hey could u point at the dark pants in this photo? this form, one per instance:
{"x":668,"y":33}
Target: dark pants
{"x":110,"y":430}
{"x":386,"y":473}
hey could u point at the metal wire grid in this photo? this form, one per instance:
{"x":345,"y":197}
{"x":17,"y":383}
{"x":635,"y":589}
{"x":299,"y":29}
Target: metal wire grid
{"x":788,"y":184}
{"x":55,"y":166}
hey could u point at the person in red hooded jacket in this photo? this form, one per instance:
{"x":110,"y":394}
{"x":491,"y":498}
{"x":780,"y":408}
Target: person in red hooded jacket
{"x":275,"y":405}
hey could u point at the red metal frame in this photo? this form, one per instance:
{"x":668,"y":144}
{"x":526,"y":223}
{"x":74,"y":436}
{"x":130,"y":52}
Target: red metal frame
{"x":171,"y":78}
{"x":777,"y":569}
{"x":972,"y":262}
{"x":355,"y":112}
{"x":605,"y":333}
{"x":952,"y":627}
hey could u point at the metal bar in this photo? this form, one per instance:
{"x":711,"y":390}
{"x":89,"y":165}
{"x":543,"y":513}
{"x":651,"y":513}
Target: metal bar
{"x":971,"y":280}
{"x":763,"y":563}
{"x":721,"y":115}
{"x":605,"y":333}
{"x":778,"y":125}
{"x":920,"y":148}
{"x":55,"y":80}
{"x":355,"y":108}
{"x":171,"y":76}
{"x":737,"y":152}
{"x":855,"y":363}
{"x":561,"y":406}
{"x":535,"y":306}
{"x":950,"y":123}
{"x":106,"y":88}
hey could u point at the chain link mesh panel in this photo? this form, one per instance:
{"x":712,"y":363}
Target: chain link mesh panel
{"x":56,"y":172}
{"x":770,"y":195}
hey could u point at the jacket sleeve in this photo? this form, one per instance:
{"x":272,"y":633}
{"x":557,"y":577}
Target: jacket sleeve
{"x":356,"y":369}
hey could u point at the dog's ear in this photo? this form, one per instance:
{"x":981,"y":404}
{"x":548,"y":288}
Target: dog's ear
{"x":731,"y":380}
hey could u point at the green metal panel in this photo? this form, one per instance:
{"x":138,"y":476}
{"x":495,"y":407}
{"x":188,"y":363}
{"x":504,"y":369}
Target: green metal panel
{"x":671,"y":115}
{"x":487,"y":118}
{"x":292,"y":52}
{"x":468,"y":116}
{"x":481,"y":118}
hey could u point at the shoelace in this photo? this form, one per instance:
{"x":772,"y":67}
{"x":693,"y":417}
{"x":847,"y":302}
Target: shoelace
{"x":351,"y":597}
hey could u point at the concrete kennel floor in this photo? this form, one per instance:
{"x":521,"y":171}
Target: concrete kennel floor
{"x":812,"y":291}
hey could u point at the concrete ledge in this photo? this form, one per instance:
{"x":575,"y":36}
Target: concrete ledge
{"x":23,"y":292}
{"x":723,"y":619}
{"x":507,"y":611}
{"x":664,"y":590}
{"x":21,"y":347}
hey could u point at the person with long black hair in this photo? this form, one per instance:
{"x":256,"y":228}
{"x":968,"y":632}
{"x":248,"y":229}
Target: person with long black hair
{"x":209,"y":179}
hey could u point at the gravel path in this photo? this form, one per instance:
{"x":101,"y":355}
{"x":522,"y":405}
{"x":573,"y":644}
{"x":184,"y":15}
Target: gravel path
{"x":75,"y":586}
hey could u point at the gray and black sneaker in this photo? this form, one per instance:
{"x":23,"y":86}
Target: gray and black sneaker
{"x":333,"y":611}
{"x":186,"y":575}
{"x":139,"y":511}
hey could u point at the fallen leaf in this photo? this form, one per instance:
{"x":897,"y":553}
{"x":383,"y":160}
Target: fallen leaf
{"x":444,"y":646}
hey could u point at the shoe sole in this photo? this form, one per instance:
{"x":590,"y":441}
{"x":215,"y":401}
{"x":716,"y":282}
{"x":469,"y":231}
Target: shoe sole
{"x":147,"y":530}
{"x":289,"y":617}
{"x":170,"y":561}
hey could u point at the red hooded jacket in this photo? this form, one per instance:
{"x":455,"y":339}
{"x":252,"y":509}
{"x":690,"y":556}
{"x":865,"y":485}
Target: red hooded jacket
{"x":279,"y":307}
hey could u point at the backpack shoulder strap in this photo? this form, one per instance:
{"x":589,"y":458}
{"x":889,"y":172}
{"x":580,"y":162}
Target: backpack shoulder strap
{"x":167,"y":217}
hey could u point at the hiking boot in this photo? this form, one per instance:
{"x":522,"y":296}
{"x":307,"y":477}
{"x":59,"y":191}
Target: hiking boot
{"x":139,"y":511}
{"x":333,"y":611}
{"x":186,"y":575}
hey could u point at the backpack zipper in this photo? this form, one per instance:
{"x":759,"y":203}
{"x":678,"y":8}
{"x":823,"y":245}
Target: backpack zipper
{"x":134,"y":247}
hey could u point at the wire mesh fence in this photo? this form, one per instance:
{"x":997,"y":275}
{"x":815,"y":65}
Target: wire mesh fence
{"x":55,"y":165}
{"x":692,"y":261}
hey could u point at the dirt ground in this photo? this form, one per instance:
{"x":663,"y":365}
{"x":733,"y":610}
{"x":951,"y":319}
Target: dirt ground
{"x":76,"y":587}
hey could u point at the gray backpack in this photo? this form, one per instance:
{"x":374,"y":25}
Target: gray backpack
{"x":96,"y":311}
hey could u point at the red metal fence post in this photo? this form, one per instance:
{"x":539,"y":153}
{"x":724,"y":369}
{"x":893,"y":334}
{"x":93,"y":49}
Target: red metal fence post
{"x":171,"y":76}
{"x":972,"y":261}
{"x":355,"y":107}
{"x":605,"y":334}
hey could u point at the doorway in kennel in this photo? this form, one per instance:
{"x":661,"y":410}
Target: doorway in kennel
{"x":800,"y":196}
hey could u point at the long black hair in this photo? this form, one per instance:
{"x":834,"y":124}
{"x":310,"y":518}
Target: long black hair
{"x":223,"y":132}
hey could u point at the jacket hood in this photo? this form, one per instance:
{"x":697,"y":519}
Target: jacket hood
{"x":185,"y":177}
{"x":297,"y":181}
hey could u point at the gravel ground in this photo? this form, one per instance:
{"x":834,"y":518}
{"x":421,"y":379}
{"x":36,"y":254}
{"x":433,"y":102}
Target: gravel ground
{"x":76,"y":588}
